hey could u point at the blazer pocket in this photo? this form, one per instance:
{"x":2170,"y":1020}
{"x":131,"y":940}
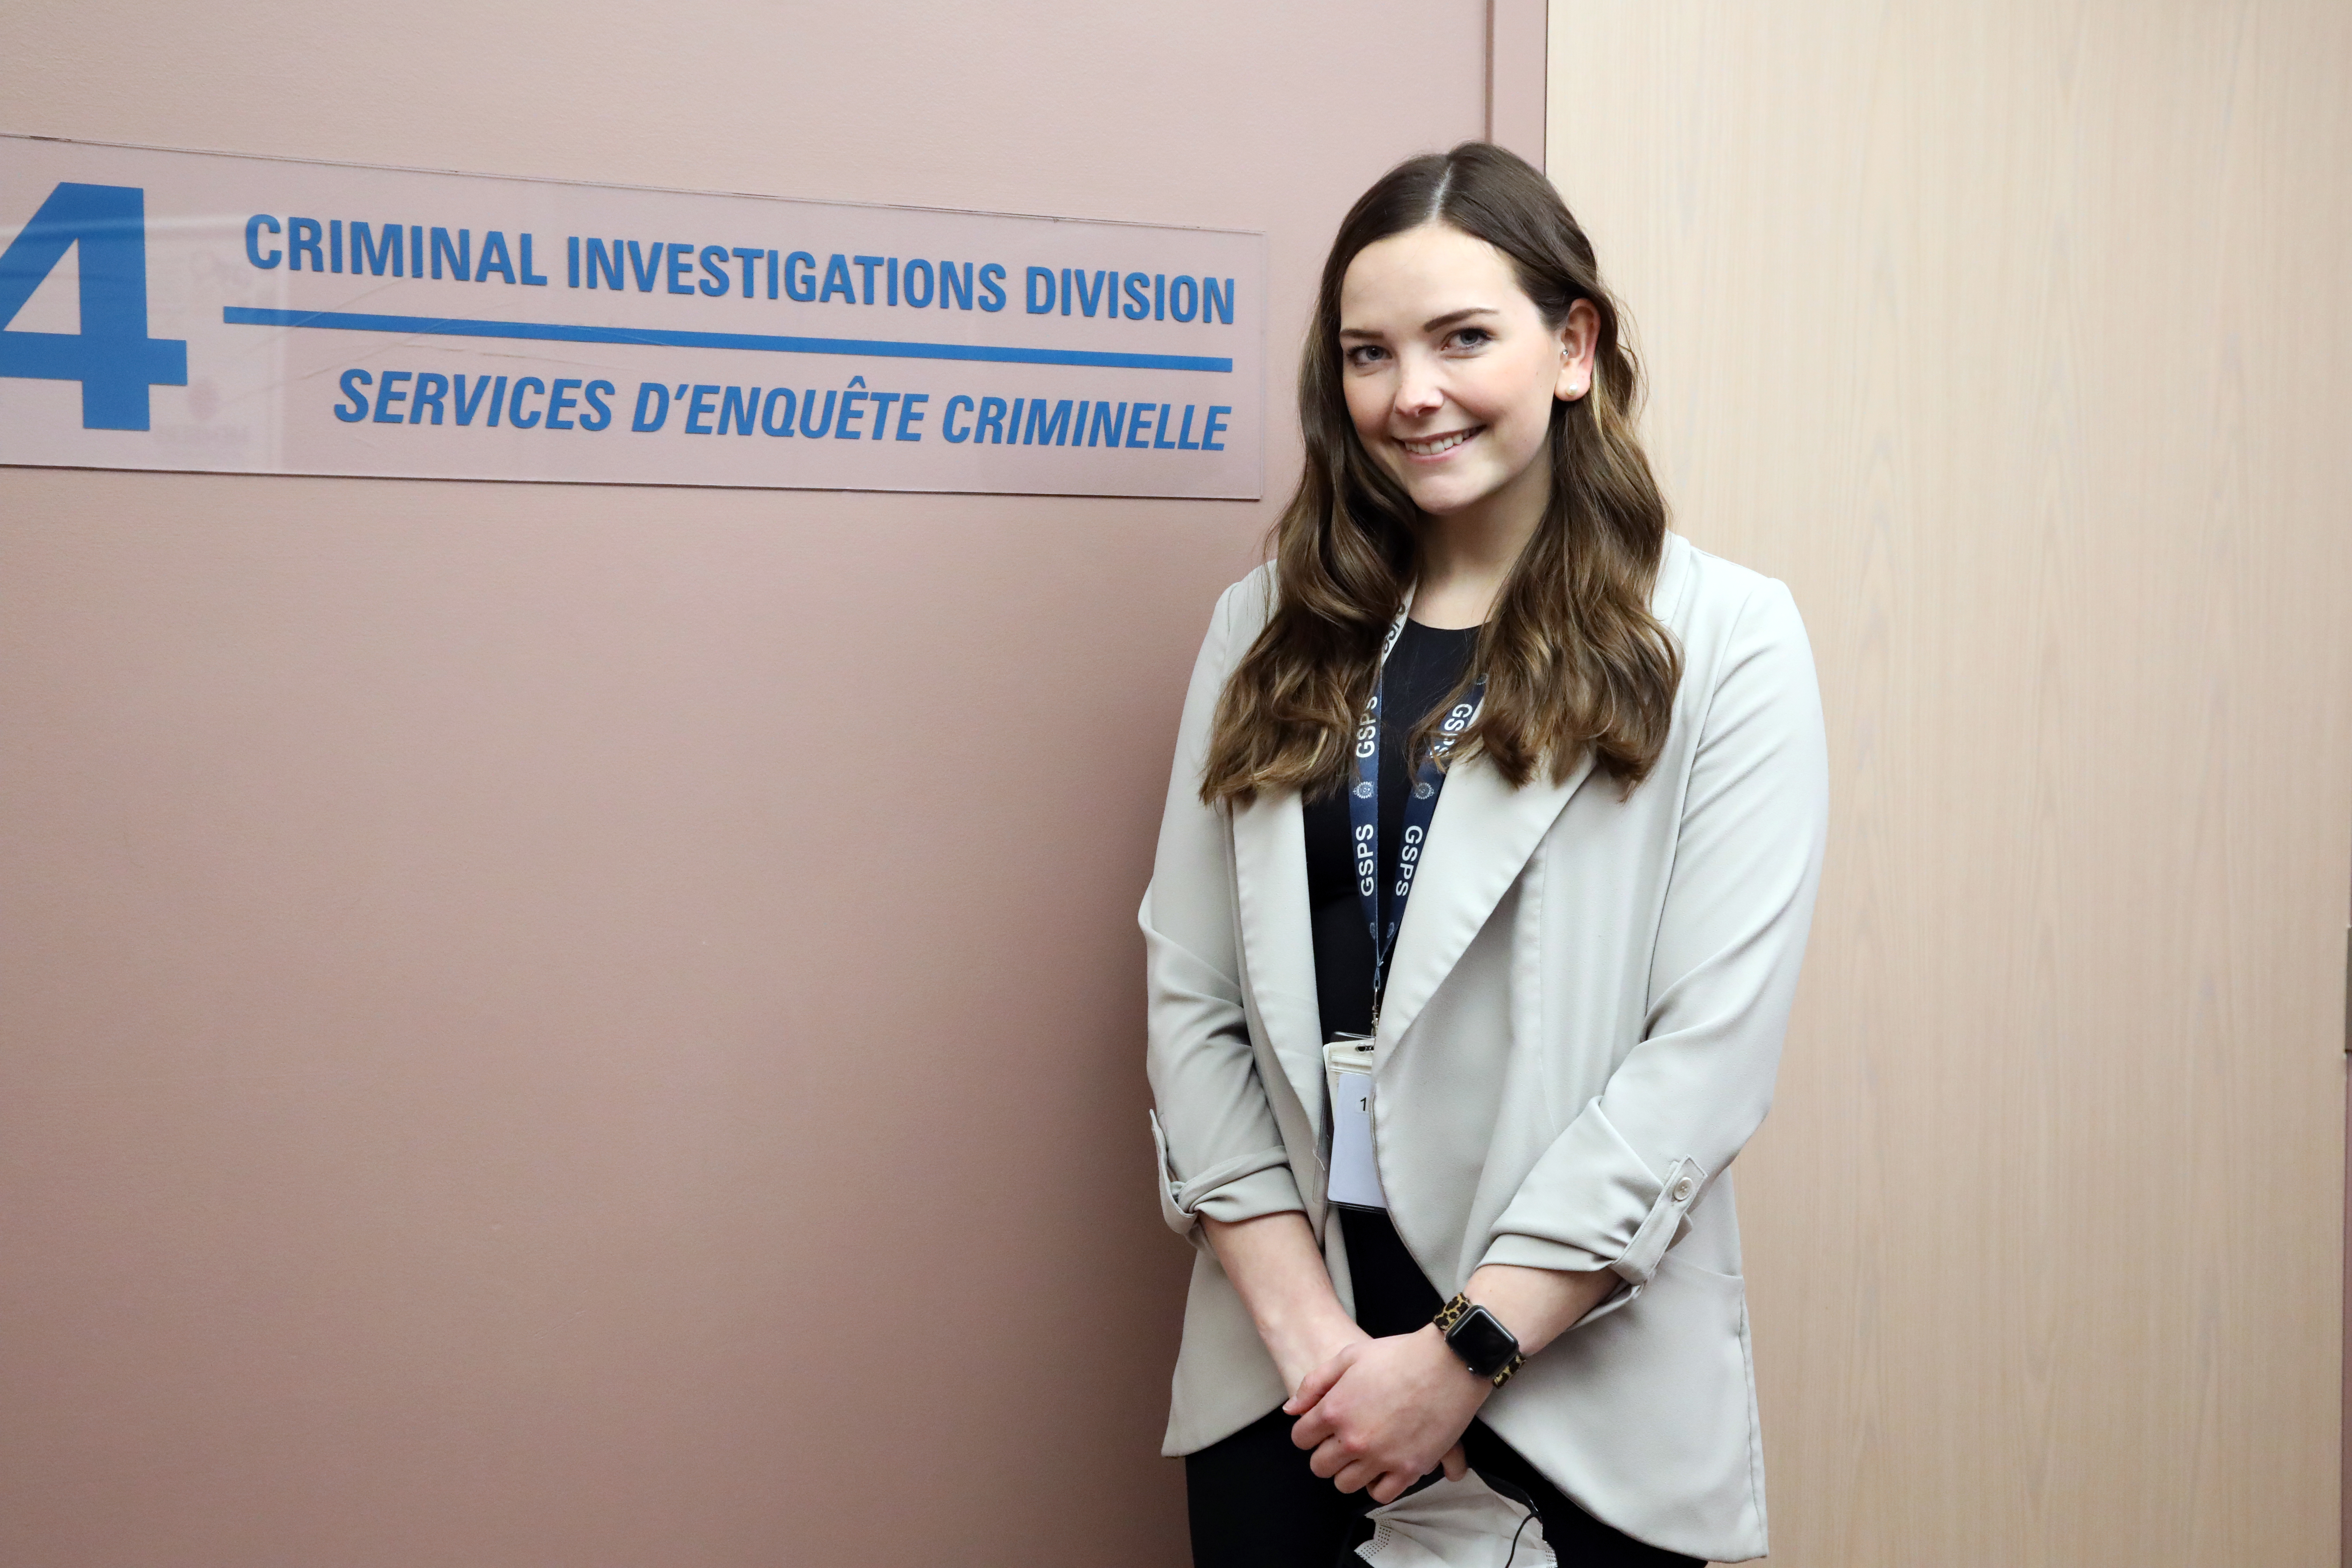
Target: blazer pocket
{"x":1647,"y":1412}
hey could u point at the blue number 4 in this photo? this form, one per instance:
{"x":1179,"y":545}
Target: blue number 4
{"x":112,"y":357}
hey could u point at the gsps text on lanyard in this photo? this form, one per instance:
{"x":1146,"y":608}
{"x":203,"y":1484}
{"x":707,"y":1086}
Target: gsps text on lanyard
{"x":1355,"y":1174}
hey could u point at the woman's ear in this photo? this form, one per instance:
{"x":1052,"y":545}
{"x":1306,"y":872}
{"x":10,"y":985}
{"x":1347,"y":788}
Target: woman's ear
{"x":1580,"y":335}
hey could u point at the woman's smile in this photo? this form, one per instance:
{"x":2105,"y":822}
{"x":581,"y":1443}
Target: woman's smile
{"x":1435,"y":449}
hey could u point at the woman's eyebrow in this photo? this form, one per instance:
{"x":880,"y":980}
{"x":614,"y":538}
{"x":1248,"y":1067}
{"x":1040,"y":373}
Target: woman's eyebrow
{"x":1434,"y":325}
{"x":1454,"y":317}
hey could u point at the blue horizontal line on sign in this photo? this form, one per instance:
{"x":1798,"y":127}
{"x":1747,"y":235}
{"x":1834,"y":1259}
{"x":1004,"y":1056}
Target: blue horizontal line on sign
{"x":553,"y":332}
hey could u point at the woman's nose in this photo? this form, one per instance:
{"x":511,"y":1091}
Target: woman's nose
{"x":1418,"y":392}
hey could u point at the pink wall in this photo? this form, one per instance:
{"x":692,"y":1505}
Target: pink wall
{"x":596,"y":1026}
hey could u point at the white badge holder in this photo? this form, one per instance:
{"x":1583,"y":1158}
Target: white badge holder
{"x":1355,"y":1174}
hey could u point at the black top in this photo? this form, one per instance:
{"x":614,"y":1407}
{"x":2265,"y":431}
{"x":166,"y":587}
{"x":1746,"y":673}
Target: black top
{"x":1423,"y":670}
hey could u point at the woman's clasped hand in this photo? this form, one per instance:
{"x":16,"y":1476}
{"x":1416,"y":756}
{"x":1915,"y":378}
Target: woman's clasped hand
{"x":1381,"y":1414}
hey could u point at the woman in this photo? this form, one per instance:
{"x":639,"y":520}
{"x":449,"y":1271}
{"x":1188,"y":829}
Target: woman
{"x":1490,"y":770}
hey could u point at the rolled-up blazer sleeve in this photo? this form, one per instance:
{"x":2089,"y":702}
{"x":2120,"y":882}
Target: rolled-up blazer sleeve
{"x":1613,"y":1189}
{"x":1220,"y":1151}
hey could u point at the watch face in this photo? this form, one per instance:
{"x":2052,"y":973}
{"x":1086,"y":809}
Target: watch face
{"x":1482,"y":1342}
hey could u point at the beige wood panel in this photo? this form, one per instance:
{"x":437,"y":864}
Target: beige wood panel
{"x":2014,"y":337}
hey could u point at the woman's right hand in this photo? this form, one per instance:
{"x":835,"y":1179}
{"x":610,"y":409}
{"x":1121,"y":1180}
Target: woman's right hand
{"x":1273,"y":1263}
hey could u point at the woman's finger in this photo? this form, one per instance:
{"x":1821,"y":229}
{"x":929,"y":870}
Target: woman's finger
{"x":1328,"y":1459}
{"x":1318,"y":1384}
{"x":1456,"y":1462}
{"x":1312,"y":1429}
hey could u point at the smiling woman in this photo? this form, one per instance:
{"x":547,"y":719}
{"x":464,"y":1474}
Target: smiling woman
{"x":1465,"y":364}
{"x":1526,"y":1095}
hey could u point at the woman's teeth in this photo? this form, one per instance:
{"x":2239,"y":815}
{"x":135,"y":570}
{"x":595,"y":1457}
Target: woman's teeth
{"x":1436,"y":444}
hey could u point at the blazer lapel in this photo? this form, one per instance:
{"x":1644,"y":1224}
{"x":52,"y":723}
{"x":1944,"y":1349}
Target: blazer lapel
{"x":1482,"y":836}
{"x":1278,"y":937}
{"x":1480,"y":839}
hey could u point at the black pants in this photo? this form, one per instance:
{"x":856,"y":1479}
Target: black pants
{"x":1254,"y":1502}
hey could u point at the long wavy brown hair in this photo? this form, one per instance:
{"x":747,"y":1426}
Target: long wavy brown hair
{"x":1575,"y":662}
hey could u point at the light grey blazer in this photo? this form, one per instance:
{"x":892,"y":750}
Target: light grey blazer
{"x":1584,"y":1019}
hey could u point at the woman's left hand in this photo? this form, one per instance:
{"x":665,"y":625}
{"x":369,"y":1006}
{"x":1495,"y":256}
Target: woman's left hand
{"x":1384,"y":1412}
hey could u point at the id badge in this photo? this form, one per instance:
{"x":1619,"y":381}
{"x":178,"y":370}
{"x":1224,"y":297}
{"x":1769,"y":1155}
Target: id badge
{"x":1355,"y":1175}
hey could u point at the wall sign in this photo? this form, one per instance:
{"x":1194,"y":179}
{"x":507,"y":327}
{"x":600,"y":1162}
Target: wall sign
{"x":192,"y":311}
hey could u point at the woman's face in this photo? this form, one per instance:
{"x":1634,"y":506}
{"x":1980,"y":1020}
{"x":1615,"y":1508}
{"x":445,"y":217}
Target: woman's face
{"x":1451,"y":372}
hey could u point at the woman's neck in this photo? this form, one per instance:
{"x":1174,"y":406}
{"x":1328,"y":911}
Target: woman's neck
{"x":1465,"y":555}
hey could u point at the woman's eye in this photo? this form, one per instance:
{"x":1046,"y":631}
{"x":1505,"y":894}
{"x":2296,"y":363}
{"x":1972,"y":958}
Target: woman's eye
{"x":1472,"y":337}
{"x":1366,"y":353}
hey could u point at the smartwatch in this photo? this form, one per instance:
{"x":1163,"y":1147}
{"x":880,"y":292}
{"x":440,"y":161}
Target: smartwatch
{"x":1474,"y":1333}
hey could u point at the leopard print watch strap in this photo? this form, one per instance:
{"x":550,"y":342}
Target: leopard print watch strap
{"x":1489,"y":1350}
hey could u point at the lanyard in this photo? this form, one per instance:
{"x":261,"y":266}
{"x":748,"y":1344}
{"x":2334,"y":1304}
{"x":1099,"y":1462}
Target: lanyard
{"x":1420,"y":809}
